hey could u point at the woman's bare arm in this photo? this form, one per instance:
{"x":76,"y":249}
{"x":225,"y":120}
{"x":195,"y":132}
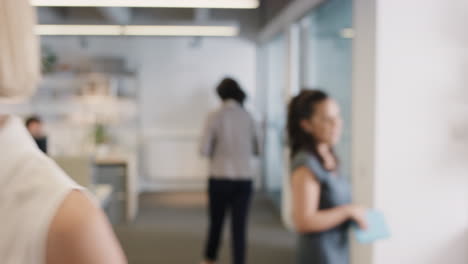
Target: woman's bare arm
{"x":306,"y":196}
{"x":80,"y":233}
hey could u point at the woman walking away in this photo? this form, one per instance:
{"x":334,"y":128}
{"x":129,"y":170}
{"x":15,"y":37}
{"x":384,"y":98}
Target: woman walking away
{"x":229,"y":141}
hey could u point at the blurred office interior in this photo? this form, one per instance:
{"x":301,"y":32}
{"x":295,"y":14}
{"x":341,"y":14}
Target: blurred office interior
{"x":127,"y":86}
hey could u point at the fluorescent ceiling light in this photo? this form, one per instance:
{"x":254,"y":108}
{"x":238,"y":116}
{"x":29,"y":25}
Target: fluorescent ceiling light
{"x":227,"y":31}
{"x":96,"y":30}
{"x":114,"y":30}
{"x":238,"y":4}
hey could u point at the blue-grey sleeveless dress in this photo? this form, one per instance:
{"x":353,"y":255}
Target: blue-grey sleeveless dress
{"x":329,"y":247}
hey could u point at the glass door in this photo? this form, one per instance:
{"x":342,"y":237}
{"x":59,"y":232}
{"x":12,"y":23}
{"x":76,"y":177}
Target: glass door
{"x":275,"y":116}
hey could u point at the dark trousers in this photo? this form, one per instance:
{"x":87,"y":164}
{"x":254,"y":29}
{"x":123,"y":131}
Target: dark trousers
{"x":224,"y":196}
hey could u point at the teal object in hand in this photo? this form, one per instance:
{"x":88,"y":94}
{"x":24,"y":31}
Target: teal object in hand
{"x":377,"y":228}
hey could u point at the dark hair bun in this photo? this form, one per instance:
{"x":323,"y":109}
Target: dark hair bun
{"x":230,"y":89}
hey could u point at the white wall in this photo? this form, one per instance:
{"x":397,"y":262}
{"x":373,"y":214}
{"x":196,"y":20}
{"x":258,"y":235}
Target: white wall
{"x":177,"y":91}
{"x":421,"y":179}
{"x":177,"y":79}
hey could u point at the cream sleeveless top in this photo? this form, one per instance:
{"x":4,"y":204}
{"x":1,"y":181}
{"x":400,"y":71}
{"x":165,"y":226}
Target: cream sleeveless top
{"x":32,"y":187}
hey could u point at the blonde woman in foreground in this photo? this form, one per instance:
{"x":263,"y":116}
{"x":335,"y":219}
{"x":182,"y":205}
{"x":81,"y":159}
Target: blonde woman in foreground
{"x":46,"y":217}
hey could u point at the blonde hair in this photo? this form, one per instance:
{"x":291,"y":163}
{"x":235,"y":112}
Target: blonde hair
{"x":19,"y":49}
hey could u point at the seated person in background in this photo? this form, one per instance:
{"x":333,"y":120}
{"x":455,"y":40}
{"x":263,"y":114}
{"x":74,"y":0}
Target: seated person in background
{"x":34,"y":126}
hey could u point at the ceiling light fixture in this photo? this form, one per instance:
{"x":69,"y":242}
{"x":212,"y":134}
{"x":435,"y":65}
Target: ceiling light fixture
{"x":116,"y":30}
{"x":90,"y":30}
{"x":235,"y":4}
{"x":226,"y":31}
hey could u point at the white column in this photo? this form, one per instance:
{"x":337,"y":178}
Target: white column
{"x":421,"y":178}
{"x":410,"y":135}
{"x":363,"y":114}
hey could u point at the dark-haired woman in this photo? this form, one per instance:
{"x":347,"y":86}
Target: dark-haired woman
{"x":322,"y":208}
{"x":230,"y":141}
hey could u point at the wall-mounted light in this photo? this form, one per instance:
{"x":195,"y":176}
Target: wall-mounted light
{"x":347,"y":33}
{"x":237,"y":4}
{"x":116,"y":30}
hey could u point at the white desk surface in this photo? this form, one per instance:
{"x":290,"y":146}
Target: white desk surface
{"x":102,"y":192}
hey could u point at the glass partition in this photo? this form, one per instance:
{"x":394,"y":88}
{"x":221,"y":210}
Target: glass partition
{"x":329,"y":59}
{"x":276,"y":66}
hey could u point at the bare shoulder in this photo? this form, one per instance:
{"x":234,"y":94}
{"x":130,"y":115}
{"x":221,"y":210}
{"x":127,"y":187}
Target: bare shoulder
{"x":80,"y":233}
{"x":303,"y":175}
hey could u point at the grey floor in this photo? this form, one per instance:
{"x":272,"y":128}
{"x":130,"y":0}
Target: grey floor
{"x":170,"y":229}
